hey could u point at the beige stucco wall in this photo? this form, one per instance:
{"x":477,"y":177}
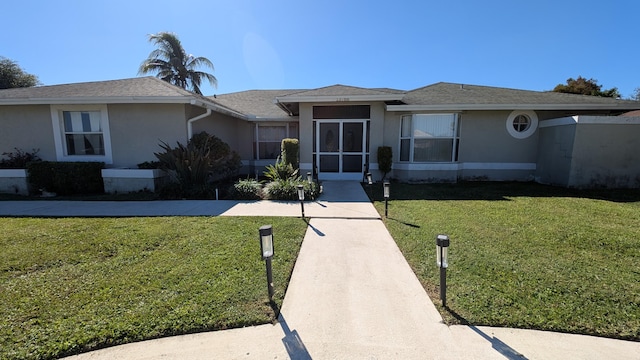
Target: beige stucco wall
{"x":594,"y":152}
{"x":606,"y":155}
{"x":554,"y":156}
{"x":486,"y":150}
{"x":305,"y":123}
{"x":377,"y":132}
{"x":484,"y":138}
{"x":137,"y":130}
{"x":27,"y":128}
{"x":237,"y":133}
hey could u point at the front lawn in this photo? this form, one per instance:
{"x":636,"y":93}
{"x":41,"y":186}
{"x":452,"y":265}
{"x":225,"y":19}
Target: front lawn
{"x":75,"y":284}
{"x":526,"y":255}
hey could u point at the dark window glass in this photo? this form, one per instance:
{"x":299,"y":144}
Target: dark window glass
{"x":329,"y":163}
{"x":352,"y":137}
{"x":342,"y":112}
{"x":352,"y":163}
{"x":405,"y":149}
{"x":329,"y":137}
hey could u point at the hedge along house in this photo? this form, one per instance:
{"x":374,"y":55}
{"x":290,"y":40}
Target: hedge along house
{"x":442,"y":132}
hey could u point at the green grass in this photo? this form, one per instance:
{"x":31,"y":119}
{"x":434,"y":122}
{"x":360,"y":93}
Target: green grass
{"x":526,"y":255}
{"x":70,"y":285}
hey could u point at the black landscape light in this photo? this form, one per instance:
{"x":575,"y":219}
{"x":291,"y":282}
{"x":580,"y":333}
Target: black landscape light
{"x":301,"y":198}
{"x":442,"y":246}
{"x":387,"y":192}
{"x":266,"y":248}
{"x":370,"y":182}
{"x":310,"y":181}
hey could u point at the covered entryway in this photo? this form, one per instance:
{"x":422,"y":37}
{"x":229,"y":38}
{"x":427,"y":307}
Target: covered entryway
{"x":341,"y":141}
{"x":341,"y":150}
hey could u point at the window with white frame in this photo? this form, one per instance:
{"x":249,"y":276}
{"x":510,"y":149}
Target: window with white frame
{"x":83,"y":133}
{"x":429,"y":138}
{"x":522,"y":123}
{"x":268,"y":139}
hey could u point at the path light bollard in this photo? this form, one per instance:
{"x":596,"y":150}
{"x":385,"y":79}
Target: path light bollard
{"x":442,"y":245}
{"x":370,"y":182}
{"x":266,"y":248}
{"x":301,"y":198}
{"x":310,"y":181}
{"x":387,"y":192}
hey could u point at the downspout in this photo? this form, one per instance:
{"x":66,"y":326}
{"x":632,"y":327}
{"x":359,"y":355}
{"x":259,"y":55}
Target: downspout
{"x":283,"y":107}
{"x":192,"y":120}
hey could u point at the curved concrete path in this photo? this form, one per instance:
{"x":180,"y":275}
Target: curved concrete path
{"x":352,"y":295}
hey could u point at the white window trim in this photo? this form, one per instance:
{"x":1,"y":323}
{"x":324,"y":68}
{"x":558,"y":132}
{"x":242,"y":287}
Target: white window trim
{"x":256,"y":134}
{"x":411,"y":138}
{"x":522,"y":134}
{"x":58,"y":133}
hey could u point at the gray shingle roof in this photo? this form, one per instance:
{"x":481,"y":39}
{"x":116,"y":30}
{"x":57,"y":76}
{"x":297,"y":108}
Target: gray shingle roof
{"x":343,"y":90}
{"x":457,"y":94}
{"x":144,"y":87}
{"x":259,"y":103}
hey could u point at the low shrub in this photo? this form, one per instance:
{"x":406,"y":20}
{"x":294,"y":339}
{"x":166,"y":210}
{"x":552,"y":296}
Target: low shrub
{"x":287,"y":189}
{"x":150,"y":165}
{"x":385,"y":160}
{"x":246,"y":189}
{"x":18,"y":159}
{"x":66,"y":178}
{"x":282,"y":189}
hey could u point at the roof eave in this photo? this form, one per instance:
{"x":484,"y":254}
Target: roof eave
{"x":273,"y":118}
{"x":453,"y":107}
{"x":98,"y":100}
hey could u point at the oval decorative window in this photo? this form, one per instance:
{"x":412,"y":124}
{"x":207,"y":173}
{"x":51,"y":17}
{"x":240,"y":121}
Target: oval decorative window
{"x":522,"y":123}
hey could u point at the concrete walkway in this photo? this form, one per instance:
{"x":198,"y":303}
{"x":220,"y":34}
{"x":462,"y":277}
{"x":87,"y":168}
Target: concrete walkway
{"x":340,"y":200}
{"x":352,"y":295}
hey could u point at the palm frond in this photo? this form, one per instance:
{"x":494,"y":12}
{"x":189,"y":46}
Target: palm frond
{"x":171,"y":63}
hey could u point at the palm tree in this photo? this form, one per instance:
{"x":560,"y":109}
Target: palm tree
{"x":174,"y":66}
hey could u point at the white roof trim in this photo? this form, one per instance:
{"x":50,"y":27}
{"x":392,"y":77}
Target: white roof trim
{"x":273,"y":119}
{"x":336,"y":98}
{"x":587,"y":119}
{"x":453,"y":107}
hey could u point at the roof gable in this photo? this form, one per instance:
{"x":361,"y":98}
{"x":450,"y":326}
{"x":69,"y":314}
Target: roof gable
{"x":343,"y":90}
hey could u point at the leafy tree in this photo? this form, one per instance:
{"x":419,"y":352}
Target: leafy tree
{"x":585,"y":86}
{"x":12,"y":76}
{"x":636,"y":94}
{"x":172,"y":63}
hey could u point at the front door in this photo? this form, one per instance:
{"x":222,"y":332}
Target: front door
{"x":340,"y":149}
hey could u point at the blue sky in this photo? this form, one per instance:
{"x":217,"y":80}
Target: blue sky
{"x":295,"y":44}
